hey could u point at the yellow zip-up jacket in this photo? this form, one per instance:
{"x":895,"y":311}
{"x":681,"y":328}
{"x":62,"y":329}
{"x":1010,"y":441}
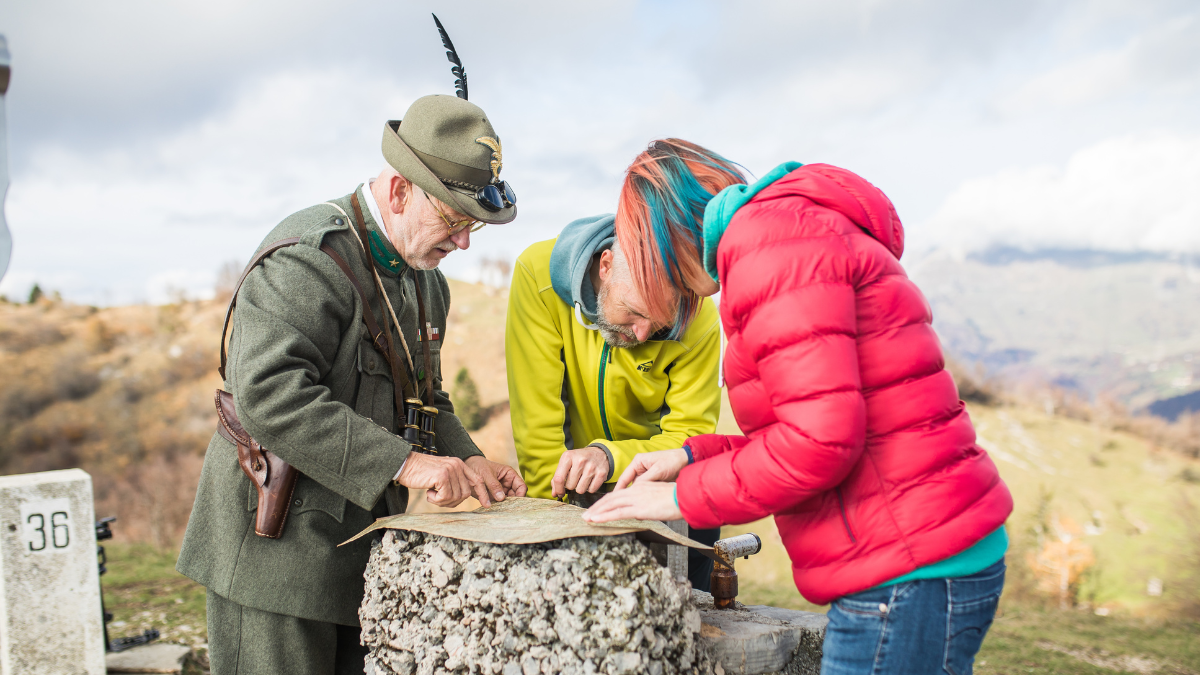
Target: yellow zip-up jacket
{"x":568,"y":389}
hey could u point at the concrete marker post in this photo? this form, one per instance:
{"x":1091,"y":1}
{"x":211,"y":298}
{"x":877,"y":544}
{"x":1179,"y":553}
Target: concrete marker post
{"x":50,"y":616}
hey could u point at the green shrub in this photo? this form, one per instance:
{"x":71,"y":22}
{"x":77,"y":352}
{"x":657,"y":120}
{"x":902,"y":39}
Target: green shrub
{"x":466,"y":401}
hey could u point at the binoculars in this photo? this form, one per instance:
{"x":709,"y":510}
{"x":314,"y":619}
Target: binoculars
{"x":419,"y":426}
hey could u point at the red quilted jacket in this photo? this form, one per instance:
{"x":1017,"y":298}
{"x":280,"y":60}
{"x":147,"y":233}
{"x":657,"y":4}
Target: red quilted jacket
{"x":856,"y":440}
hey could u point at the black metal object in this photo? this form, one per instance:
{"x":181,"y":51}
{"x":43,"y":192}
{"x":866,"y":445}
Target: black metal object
{"x":420,"y":426}
{"x":412,"y":425}
{"x":121,"y":644}
{"x":585,"y":500}
{"x":104,"y":531}
{"x":428,"y":426}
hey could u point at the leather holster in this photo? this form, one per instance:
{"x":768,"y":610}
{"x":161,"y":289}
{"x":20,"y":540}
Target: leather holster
{"x":273,"y":478}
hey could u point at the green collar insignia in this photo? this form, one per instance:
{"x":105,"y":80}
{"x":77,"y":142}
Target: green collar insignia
{"x":390,"y":263}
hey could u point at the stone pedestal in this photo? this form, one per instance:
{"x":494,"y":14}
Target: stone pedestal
{"x":760,"y":640}
{"x":50,"y":616}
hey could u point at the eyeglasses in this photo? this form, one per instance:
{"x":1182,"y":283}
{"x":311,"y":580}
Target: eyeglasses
{"x":496,"y":196}
{"x":457,"y":226}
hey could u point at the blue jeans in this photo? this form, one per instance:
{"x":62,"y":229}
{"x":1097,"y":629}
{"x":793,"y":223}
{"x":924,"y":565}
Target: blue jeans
{"x":924,"y":626}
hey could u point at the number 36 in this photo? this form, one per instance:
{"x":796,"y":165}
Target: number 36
{"x":60,"y":532}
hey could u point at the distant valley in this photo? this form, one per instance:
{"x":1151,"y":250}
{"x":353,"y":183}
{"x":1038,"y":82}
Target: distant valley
{"x":1119,"y":325}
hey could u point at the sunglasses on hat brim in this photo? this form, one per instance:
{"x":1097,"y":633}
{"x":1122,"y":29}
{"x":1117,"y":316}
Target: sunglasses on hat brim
{"x":494,"y":196}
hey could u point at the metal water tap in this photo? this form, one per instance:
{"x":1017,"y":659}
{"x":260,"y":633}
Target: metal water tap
{"x":724,"y":577}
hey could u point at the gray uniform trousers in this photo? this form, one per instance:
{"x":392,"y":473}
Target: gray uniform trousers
{"x":247,"y":641}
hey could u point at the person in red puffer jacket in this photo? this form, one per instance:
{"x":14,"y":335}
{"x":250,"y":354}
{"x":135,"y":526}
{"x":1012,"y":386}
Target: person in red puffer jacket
{"x":855,"y":438}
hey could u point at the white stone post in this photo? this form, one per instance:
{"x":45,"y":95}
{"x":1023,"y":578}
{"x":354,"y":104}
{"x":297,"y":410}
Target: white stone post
{"x":50,"y":616}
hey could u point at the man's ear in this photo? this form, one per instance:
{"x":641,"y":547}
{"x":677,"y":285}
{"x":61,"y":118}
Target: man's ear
{"x":400,"y":193}
{"x":605,"y":268}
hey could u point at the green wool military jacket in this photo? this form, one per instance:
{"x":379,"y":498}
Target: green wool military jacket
{"x":308,"y":385}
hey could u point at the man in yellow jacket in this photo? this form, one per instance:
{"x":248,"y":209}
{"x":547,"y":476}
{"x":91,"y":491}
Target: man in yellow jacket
{"x":591,"y":383}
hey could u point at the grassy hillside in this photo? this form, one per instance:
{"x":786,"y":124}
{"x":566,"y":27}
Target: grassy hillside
{"x":1121,"y":496}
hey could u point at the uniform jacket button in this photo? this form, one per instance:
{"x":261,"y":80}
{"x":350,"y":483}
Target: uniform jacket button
{"x":298,"y":502}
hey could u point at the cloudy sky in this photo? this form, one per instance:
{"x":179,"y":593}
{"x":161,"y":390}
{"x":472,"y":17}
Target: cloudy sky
{"x":153,"y":141}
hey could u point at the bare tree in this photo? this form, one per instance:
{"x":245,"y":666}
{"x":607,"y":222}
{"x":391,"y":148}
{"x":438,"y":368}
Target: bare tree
{"x":227,"y":278}
{"x":496,"y":270}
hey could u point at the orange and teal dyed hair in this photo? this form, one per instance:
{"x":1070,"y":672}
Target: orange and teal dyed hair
{"x":659,"y":219}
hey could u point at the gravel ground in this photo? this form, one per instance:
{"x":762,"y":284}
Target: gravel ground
{"x":436,"y":606}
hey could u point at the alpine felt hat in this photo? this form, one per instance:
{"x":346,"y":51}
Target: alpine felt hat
{"x":447,"y":146}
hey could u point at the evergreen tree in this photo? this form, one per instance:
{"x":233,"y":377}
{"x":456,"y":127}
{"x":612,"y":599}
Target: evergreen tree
{"x":466,"y":401}
{"x":35,"y":293}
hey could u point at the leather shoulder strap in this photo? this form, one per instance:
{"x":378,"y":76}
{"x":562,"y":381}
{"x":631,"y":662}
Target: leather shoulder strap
{"x":267,"y":250}
{"x":378,"y":338}
{"x":424,"y":327}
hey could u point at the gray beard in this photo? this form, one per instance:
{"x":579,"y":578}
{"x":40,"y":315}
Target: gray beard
{"x":615,"y":336}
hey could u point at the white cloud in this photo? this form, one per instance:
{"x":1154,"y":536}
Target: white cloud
{"x":1164,"y":56}
{"x":1124,"y":194}
{"x":123,"y":224}
{"x":166,"y":140}
{"x":151,"y":220}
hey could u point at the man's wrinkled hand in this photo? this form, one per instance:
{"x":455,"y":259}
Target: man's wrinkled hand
{"x":663,"y":465}
{"x":643,"y":500}
{"x":448,"y":479}
{"x":499,"y":480}
{"x":583,"y":470}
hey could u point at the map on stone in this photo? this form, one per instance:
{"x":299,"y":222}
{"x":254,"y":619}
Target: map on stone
{"x":524,"y":520}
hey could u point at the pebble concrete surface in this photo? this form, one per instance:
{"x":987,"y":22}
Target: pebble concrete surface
{"x":435,"y":605}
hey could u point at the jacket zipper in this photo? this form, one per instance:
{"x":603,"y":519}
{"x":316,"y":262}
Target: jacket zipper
{"x":604,"y":356}
{"x":845,"y":520}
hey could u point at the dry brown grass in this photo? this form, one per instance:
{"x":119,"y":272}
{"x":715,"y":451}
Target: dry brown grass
{"x":974,"y":386}
{"x":1182,"y":435}
{"x":126,"y":394}
{"x":122,"y":393}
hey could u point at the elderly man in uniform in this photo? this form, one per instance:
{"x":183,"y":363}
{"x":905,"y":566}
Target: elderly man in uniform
{"x":592,"y":382}
{"x":314,"y":388}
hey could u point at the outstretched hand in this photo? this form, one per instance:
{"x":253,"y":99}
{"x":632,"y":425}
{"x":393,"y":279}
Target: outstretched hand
{"x":499,"y":480}
{"x":663,"y":465}
{"x":644,"y":500}
{"x":448,"y":479}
